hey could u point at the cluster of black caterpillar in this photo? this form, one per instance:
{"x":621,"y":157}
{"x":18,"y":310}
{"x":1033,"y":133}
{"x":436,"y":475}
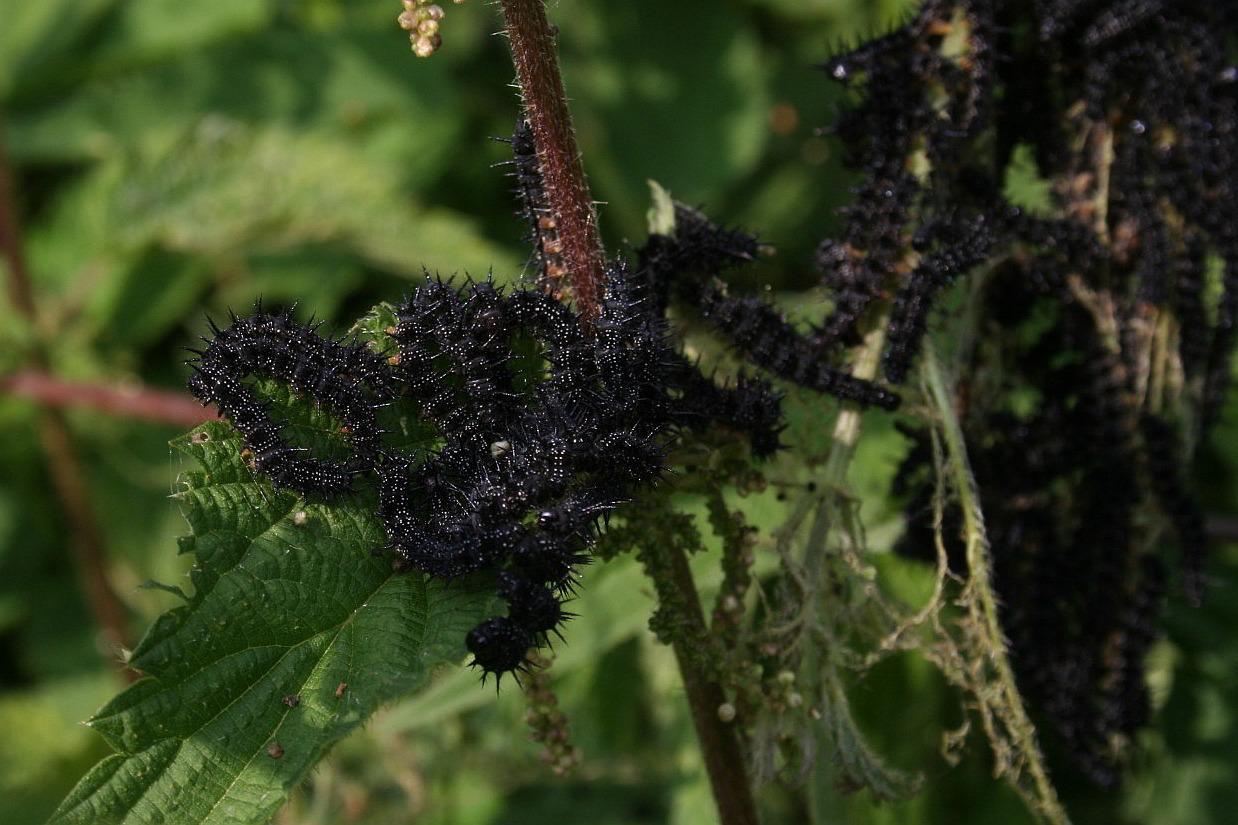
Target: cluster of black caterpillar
{"x":1130,"y":111}
{"x":1061,"y":488}
{"x":542,"y":423}
{"x":1067,"y":434}
{"x":687,"y":266}
{"x":540,"y":428}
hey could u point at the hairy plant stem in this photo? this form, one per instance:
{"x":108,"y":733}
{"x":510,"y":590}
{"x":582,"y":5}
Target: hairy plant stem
{"x":567,"y":191}
{"x":980,"y":600}
{"x":63,"y":462}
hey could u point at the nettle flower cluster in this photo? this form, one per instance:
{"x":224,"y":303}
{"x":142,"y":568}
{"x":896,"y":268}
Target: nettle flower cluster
{"x":421,"y":19}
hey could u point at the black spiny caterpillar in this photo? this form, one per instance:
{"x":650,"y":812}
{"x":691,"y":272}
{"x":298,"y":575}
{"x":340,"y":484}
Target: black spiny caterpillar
{"x":522,"y":465}
{"x":524,"y":461}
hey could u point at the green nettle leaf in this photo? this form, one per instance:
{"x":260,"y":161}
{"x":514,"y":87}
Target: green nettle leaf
{"x":35,"y":37}
{"x":295,"y":634}
{"x":153,"y":29}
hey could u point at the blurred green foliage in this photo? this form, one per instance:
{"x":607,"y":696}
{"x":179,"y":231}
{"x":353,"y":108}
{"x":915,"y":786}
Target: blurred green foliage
{"x":174,"y":160}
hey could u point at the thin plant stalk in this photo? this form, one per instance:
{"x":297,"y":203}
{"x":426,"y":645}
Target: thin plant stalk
{"x":980,"y":599}
{"x":63,"y":462}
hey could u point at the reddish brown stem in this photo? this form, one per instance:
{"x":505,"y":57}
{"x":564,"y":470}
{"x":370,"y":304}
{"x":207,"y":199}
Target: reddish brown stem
{"x":567,"y":191}
{"x":63,"y":463}
{"x":128,"y":401}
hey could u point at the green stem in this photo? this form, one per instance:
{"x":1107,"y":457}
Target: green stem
{"x":866,"y":360}
{"x":979,"y":597}
{"x":720,"y":746}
